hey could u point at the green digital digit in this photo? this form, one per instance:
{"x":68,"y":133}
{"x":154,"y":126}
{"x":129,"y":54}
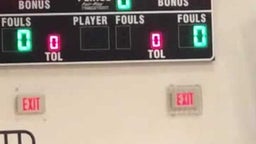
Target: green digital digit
{"x":124,"y":5}
{"x":200,"y":36}
{"x":24,"y":38}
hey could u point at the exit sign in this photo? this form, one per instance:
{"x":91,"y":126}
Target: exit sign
{"x":185,"y":99}
{"x":30,"y":104}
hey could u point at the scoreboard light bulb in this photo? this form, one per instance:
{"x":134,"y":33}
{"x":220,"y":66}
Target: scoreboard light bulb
{"x":24,"y":40}
{"x":123,"y":5}
{"x":54,"y":42}
{"x":200,"y":36}
{"x":156,"y":40}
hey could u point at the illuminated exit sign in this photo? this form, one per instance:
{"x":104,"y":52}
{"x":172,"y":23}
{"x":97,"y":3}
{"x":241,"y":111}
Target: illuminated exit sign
{"x":185,"y":99}
{"x":30,"y":104}
{"x":105,"y":31}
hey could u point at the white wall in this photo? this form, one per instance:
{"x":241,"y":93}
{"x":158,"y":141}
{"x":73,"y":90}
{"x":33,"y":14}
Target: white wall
{"x":126,"y":104}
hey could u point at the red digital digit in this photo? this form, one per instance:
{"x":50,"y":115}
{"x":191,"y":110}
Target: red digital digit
{"x":156,"y":40}
{"x":54,"y":42}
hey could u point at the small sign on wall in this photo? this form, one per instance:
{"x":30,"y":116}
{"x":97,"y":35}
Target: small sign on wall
{"x":185,"y":99}
{"x":30,"y":104}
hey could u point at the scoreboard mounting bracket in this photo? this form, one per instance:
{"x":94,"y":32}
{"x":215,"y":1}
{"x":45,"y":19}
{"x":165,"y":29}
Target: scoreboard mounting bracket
{"x":35,"y":32}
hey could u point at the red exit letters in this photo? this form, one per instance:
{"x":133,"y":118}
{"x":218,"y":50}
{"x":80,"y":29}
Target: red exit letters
{"x":185,"y":99}
{"x":31,"y":103}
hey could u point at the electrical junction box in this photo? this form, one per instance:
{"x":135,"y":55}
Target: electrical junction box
{"x":105,"y":31}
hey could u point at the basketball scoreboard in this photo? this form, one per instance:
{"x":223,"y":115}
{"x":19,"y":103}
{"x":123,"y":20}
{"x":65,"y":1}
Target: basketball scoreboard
{"x":105,"y":31}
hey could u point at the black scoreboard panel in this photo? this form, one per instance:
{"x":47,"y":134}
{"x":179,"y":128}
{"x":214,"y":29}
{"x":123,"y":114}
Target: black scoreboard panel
{"x":89,"y":31}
